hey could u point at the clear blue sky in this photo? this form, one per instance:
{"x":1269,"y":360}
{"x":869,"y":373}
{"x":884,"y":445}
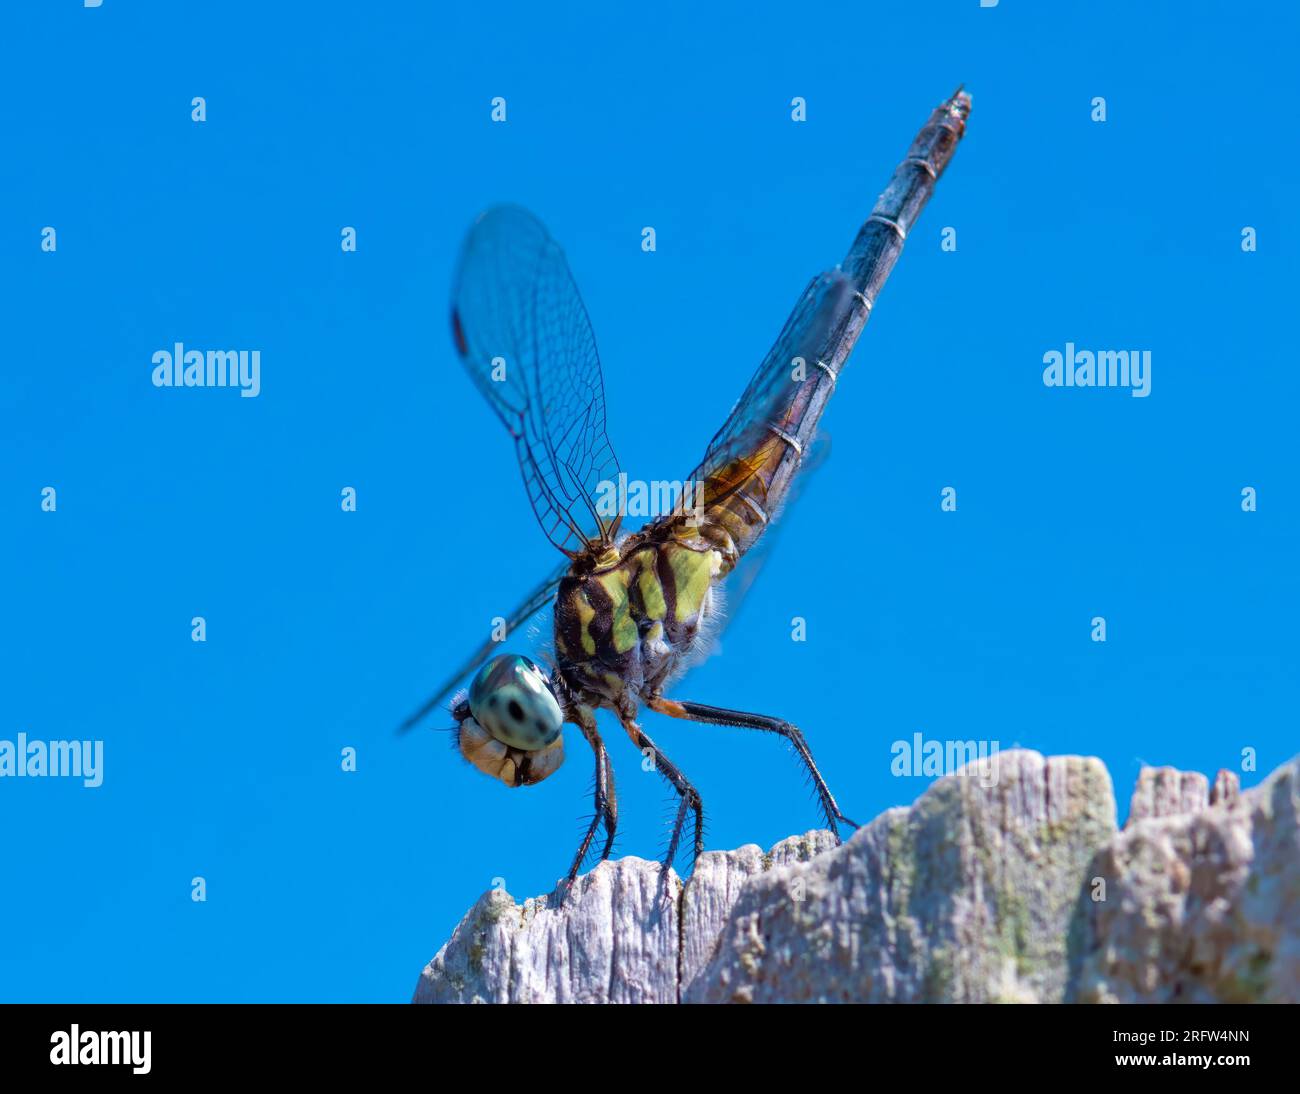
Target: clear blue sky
{"x":222,"y":759}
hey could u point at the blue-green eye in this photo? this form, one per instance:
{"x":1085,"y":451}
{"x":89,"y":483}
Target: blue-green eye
{"x":512,"y":699}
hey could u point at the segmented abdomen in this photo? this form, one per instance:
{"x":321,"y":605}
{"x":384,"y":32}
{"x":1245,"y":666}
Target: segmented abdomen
{"x":750,"y":464}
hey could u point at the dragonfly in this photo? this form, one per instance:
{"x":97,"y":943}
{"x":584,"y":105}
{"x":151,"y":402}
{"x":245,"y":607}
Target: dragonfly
{"x":631,"y":609}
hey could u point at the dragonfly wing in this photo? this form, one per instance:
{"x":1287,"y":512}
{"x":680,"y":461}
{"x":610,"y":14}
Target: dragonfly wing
{"x":779,"y":395}
{"x":750,"y":465}
{"x":522,"y":331}
{"x":536,"y":601}
{"x":740,"y":583}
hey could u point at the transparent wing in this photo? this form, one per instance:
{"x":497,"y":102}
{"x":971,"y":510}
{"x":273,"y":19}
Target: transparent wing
{"x":536,"y":601}
{"x":524,"y":336}
{"x":742,"y":580}
{"x":779,"y":394}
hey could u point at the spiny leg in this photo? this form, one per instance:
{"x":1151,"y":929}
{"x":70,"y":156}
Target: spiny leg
{"x":610,"y":802}
{"x":605,"y":802}
{"x":690,"y":797}
{"x":601,"y":815}
{"x":720,"y":716}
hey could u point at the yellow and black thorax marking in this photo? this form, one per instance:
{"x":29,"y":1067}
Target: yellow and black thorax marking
{"x":655,"y":593}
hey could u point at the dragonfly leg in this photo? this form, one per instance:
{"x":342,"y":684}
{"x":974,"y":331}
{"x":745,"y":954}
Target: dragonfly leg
{"x":720,"y":716}
{"x":690,"y":797}
{"x":605,"y":802}
{"x":609,"y":803}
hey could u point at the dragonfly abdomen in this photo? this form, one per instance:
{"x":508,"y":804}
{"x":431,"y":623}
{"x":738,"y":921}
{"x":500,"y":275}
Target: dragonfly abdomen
{"x":748,"y":470}
{"x":746,"y":495}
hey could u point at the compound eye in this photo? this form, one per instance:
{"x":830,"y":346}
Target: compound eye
{"x":512,"y":699}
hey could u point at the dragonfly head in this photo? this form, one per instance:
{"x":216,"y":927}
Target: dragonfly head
{"x":509,"y":725}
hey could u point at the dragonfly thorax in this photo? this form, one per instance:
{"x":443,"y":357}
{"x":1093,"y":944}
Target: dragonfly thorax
{"x":623,"y":631}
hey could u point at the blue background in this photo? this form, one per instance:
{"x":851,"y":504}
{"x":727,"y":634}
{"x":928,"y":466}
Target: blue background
{"x":325,"y":628}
